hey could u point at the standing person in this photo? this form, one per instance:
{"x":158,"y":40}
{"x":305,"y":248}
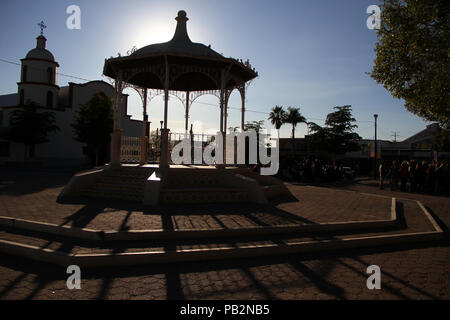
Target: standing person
{"x":394,"y":175}
{"x":420,"y":169}
{"x":413,"y":175}
{"x":382,"y":173}
{"x":403,"y":176}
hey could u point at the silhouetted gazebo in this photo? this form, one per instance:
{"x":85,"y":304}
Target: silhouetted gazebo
{"x":179,"y":65}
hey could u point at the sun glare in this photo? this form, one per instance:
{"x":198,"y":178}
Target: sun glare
{"x":152,"y":32}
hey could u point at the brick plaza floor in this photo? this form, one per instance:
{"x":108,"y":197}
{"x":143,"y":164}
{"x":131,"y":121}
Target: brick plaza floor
{"x":408,"y":272}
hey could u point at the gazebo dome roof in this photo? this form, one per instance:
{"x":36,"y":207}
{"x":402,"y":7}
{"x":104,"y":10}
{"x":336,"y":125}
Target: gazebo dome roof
{"x":180,"y":43}
{"x":40,"y":52}
{"x":194,"y":66}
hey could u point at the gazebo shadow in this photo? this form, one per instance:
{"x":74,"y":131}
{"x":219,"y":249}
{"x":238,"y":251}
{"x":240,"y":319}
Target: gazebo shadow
{"x":251,"y":214}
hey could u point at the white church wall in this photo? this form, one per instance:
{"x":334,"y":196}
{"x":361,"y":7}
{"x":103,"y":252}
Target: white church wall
{"x":37,"y":71}
{"x":62,"y":145}
{"x":37,"y":93}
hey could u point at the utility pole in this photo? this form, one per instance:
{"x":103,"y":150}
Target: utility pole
{"x":375,"y":116}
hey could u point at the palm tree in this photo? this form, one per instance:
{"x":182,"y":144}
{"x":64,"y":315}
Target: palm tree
{"x":277,"y":116}
{"x":294,"y":117}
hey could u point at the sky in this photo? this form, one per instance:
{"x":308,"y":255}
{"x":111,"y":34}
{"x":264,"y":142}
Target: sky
{"x":313,"y":55}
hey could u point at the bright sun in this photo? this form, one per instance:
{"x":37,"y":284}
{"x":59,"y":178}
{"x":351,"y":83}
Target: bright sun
{"x":152,"y":32}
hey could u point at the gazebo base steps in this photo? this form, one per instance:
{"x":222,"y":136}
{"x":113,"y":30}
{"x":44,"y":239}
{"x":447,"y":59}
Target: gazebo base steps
{"x":149,"y":185}
{"x":203,"y":195}
{"x":66,"y":253}
{"x":419,"y":226}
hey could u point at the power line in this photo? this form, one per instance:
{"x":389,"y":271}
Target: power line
{"x":263,"y":112}
{"x":58,"y":73}
{"x":204,"y":103}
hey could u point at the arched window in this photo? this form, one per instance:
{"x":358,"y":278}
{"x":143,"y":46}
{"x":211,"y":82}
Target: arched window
{"x":24,"y":73}
{"x":50,"y":75}
{"x":49,"y":99}
{"x":22,"y":97}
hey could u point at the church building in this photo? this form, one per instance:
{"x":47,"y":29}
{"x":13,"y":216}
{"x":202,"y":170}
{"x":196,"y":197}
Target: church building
{"x":39,"y":86}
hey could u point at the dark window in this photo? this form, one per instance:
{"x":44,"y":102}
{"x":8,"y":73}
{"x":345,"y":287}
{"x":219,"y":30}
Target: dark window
{"x":24,"y":73}
{"x":50,"y":75}
{"x":22,"y":97}
{"x":49,"y":99}
{"x":4,"y":149}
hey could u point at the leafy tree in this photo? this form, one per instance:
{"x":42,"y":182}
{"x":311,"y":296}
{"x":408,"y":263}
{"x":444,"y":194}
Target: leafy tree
{"x":413,"y":58}
{"x":277,"y":116}
{"x":255,"y":125}
{"x":337,"y":136}
{"x":93,"y":124}
{"x":441,"y":140}
{"x":258,"y":126}
{"x":30,"y":127}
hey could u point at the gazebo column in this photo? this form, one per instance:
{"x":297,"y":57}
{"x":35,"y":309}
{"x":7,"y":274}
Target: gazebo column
{"x":116,"y":136}
{"x":144,"y":139}
{"x":242,"y":91}
{"x":225,"y":120}
{"x":187,"y":111}
{"x":164,"y":160}
{"x":222,"y":118}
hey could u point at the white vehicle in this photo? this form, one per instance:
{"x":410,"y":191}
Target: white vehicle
{"x":348,"y":172}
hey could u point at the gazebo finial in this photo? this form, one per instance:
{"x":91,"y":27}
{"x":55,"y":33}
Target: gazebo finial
{"x":181,"y":30}
{"x":182,"y":16}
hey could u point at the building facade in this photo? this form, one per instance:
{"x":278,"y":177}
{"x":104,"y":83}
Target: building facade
{"x":39,"y":86}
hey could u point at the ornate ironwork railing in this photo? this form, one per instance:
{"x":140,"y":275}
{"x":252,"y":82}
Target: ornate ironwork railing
{"x":130,"y":150}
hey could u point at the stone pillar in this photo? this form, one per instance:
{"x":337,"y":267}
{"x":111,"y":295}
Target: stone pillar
{"x":116,"y":136}
{"x":116,"y":139}
{"x":164,"y":160}
{"x":144,"y":150}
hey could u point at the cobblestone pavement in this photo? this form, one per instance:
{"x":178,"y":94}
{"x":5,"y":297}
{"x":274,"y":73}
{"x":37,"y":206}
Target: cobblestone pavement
{"x":408,"y":272}
{"x":34,"y":198}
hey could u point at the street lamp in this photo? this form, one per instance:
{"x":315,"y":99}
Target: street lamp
{"x":375,"y":116}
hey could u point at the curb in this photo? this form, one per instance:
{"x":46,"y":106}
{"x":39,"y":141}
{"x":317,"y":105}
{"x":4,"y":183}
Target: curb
{"x":177,"y":256}
{"x":107,"y":236}
{"x":140,"y":258}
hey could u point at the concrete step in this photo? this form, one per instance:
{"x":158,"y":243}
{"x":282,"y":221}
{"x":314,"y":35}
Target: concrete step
{"x":419,"y":226}
{"x":113,"y":194}
{"x":125,"y":183}
{"x":203,"y":195}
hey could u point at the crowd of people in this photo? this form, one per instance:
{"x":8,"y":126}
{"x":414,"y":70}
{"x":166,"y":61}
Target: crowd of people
{"x":407,"y":176}
{"x":314,"y":169}
{"x":416,"y":176}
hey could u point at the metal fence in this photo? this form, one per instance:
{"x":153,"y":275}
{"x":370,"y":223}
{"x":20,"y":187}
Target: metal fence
{"x":130,"y":150}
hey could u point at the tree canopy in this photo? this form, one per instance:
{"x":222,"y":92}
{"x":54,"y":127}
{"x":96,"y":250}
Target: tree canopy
{"x":441,"y":140}
{"x":93,"y":123}
{"x":294,"y":117}
{"x":277,"y":116}
{"x":413,"y":56}
{"x":337,"y":136}
{"x":30,"y":127}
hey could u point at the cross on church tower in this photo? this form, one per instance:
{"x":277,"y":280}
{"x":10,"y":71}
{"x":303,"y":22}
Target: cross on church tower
{"x":42,"y":26}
